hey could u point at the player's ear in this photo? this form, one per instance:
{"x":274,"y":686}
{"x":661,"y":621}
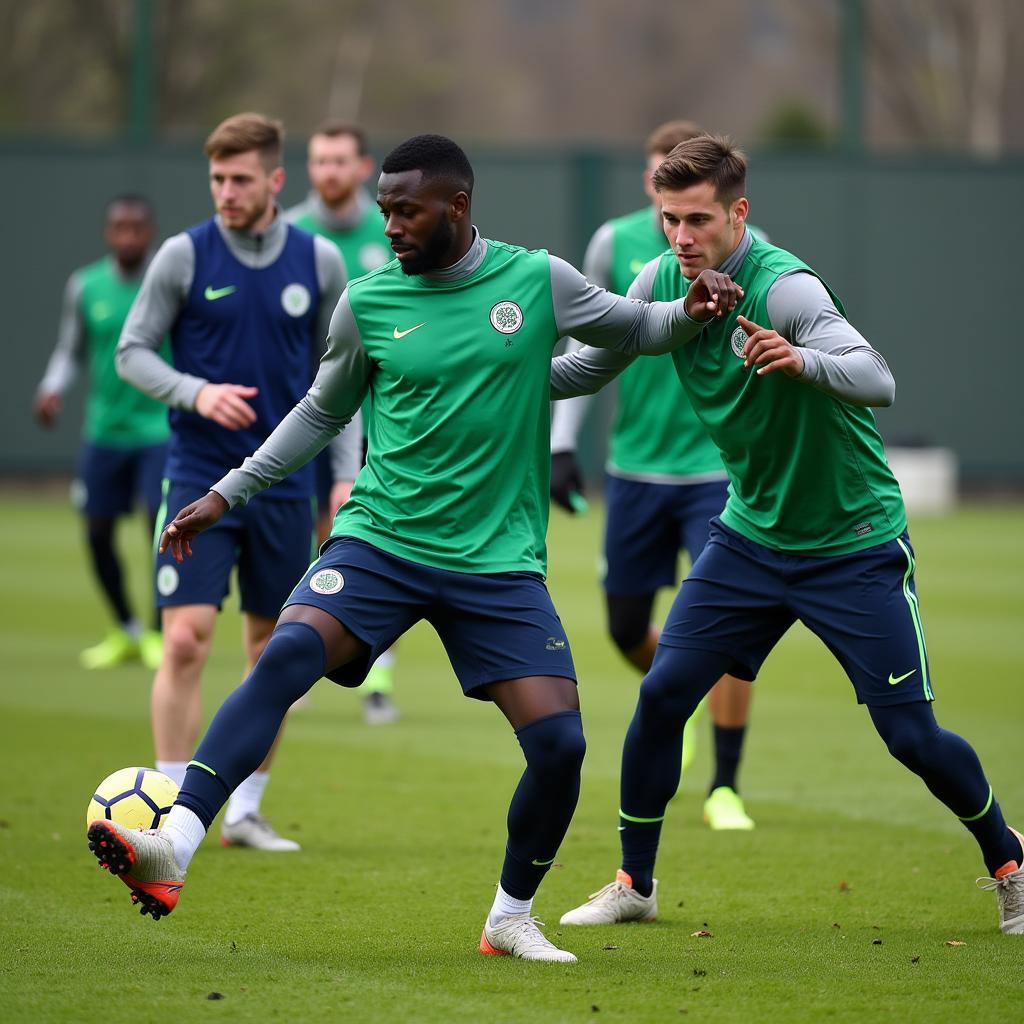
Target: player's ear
{"x":276,"y":180}
{"x":739,"y":211}
{"x":458,"y":206}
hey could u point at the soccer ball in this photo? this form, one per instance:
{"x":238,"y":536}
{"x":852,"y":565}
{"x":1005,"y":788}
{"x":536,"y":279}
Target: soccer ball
{"x":133,"y":797}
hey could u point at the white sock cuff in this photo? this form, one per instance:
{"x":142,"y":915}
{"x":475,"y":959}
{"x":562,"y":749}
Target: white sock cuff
{"x":508,"y":906}
{"x":185,"y":831}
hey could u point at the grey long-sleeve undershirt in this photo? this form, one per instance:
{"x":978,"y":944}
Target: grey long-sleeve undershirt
{"x":597,"y":317}
{"x":68,"y":354}
{"x":837,"y":358}
{"x":164,"y":292}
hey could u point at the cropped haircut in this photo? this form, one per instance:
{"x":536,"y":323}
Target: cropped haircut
{"x":438,"y":157}
{"x":140,"y":202}
{"x":667,"y":136}
{"x":334,"y":128}
{"x":245,"y":133}
{"x":710,"y":158}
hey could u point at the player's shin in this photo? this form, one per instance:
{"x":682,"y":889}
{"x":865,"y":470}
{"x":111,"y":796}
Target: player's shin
{"x":244,"y":728}
{"x":669,"y":694}
{"x":950,"y":769}
{"x":541,"y":808}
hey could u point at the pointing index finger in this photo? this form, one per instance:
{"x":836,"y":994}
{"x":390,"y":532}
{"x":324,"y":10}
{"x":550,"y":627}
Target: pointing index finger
{"x":748,"y":325}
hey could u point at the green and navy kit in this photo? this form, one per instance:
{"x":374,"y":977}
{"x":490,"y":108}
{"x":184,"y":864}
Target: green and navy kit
{"x":97,"y":299}
{"x":360,"y":238}
{"x":806,"y":464}
{"x":457,"y":364}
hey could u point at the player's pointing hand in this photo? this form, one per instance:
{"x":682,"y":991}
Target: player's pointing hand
{"x":768,"y":350}
{"x":712,"y":294}
{"x":226,"y":404}
{"x":189,"y":523}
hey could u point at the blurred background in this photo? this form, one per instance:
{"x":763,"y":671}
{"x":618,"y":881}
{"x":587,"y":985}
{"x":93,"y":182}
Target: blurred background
{"x":886,"y":141}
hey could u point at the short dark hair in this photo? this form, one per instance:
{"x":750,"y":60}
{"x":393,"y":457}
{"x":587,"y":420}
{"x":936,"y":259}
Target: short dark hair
{"x":334,"y":127}
{"x":244,"y":133}
{"x":130,"y":199}
{"x":667,"y":136}
{"x":705,"y":158}
{"x":438,"y":157}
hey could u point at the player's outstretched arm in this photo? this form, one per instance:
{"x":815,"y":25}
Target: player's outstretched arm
{"x":179,"y":533}
{"x":67,"y":356}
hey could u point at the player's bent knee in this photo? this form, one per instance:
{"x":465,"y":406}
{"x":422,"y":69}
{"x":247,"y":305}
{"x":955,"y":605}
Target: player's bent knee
{"x":183,"y":645}
{"x":909,"y":731}
{"x":629,"y":621}
{"x":291,"y":663}
{"x":554,"y":745}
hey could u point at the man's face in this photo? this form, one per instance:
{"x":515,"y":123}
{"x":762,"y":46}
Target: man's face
{"x":420,"y":219}
{"x":128,"y":233}
{"x":243,"y":189}
{"x":336,"y":170}
{"x":701,"y":230}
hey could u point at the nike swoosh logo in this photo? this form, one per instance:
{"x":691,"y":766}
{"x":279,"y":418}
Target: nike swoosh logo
{"x":544,"y":863}
{"x":212,"y":294}
{"x":899,"y":679}
{"x":401,"y":334}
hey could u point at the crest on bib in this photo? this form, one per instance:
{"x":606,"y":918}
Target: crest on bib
{"x":295,"y":299}
{"x":506,"y":317}
{"x":738,"y":340}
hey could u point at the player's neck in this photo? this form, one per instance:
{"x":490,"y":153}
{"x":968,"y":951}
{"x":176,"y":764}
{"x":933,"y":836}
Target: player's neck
{"x":265,"y":219}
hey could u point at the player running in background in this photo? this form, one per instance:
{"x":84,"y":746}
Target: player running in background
{"x":665,"y":481}
{"x":446,"y":521}
{"x":246,"y":300}
{"x":125,"y":433}
{"x":339,"y":209}
{"x":814,"y":527}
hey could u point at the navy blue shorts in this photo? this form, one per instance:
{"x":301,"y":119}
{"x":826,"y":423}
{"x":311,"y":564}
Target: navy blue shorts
{"x":493,"y":626}
{"x":111,"y":480}
{"x":647,"y":524}
{"x":741,"y":597}
{"x":271,"y":542}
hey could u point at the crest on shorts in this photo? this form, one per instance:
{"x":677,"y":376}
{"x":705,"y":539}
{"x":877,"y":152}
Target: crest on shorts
{"x":167,"y":580}
{"x":327,"y":581}
{"x":295,"y":299}
{"x":738,"y":340}
{"x":506,"y":317}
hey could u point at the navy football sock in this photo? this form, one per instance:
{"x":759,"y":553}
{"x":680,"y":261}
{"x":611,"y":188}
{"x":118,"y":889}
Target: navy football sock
{"x":107,"y":567}
{"x":544,"y":801}
{"x":669,"y":694}
{"x":243,"y":730}
{"x":728,"y":750}
{"x":952,"y":772}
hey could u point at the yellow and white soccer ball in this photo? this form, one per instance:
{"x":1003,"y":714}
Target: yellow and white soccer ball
{"x":134,"y":798}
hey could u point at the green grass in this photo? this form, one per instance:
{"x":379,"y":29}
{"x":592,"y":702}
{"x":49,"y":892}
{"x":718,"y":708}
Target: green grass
{"x":839,"y":906}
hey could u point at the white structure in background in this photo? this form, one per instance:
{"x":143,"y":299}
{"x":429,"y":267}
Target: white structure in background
{"x":927,"y":477}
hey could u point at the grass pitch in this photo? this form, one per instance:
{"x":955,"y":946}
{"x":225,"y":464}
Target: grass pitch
{"x":841,"y":905}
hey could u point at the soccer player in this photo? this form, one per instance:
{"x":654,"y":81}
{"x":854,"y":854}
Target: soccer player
{"x":814,"y":527}
{"x":452,"y":340}
{"x":246,"y":299}
{"x":339,"y":209}
{"x":125,"y":433}
{"x":665,"y":481}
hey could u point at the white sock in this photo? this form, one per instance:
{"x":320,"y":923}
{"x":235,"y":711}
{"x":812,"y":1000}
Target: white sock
{"x":174,"y":770}
{"x":185,"y":831}
{"x":387,"y":659}
{"x":507,"y":906}
{"x":246,"y":799}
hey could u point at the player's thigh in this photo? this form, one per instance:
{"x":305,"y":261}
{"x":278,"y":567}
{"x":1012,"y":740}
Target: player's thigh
{"x":204,"y":578}
{"x":733,"y":602}
{"x":373,"y":595}
{"x":641,"y":544}
{"x":864,"y":607}
{"x":276,"y":549}
{"x":698,"y":505}
{"x":499,"y":626}
{"x":104,"y":482}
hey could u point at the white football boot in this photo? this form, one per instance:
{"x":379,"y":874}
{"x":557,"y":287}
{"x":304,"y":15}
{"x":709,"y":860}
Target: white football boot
{"x":1009,"y":888}
{"x":519,"y":936}
{"x":257,"y":833}
{"x":616,"y":903}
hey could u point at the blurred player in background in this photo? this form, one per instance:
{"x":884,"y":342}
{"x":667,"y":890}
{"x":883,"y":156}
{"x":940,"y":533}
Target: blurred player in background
{"x":447,"y":521}
{"x":814,"y":528}
{"x":665,"y":481}
{"x":246,"y":299}
{"x":125,"y":433}
{"x":340,"y":209}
